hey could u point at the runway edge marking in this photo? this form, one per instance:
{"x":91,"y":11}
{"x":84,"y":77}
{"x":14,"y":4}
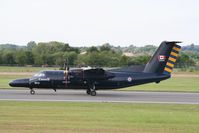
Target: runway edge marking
{"x":95,"y":101}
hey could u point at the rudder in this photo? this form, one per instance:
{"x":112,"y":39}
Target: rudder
{"x":172,"y":59}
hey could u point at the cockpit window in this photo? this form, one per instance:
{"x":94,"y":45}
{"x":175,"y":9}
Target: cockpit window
{"x":41,"y":74}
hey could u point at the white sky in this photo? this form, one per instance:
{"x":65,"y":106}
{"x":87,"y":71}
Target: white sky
{"x":94,"y":22}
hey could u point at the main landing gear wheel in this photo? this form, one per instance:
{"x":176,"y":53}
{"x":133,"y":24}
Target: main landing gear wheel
{"x":92,"y":90}
{"x":93,"y":93}
{"x":88,"y":92}
{"x":32,"y":92}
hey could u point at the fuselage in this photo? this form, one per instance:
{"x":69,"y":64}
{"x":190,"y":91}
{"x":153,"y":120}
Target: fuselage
{"x":79,"y":79}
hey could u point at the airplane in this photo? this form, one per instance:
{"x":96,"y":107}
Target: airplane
{"x":157,"y":69}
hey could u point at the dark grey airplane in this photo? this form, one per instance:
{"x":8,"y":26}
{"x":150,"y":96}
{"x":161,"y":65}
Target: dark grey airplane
{"x":157,"y":69}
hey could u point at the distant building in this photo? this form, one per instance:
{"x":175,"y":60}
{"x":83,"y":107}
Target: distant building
{"x":128,"y":54}
{"x":82,"y":53}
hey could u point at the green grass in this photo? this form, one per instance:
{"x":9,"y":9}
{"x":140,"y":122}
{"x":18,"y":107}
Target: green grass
{"x":24,"y":69}
{"x":189,"y":70}
{"x":31,"y":117}
{"x":5,"y":79}
{"x":172,"y":84}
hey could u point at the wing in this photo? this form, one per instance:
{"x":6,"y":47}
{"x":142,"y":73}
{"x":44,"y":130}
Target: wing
{"x":97,"y":74}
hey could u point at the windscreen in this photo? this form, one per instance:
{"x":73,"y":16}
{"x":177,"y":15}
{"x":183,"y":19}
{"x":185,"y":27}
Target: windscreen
{"x":39,"y":75}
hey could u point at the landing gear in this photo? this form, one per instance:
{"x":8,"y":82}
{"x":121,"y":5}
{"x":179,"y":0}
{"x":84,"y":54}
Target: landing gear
{"x":91,"y":91}
{"x":157,"y":82}
{"x":88,"y":91}
{"x":32,"y":92}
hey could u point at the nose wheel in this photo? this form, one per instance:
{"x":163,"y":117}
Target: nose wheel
{"x":32,"y":92}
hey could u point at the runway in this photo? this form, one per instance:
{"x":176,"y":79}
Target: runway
{"x":102,"y":96}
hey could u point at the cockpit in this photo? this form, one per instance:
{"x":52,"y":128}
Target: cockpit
{"x":49,"y":74}
{"x":39,"y":75}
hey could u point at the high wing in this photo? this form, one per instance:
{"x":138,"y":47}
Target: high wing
{"x":97,"y":74}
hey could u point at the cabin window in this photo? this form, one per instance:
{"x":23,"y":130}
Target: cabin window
{"x":55,"y":75}
{"x":77,"y":73}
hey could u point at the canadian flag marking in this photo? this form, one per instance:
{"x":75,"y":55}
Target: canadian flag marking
{"x":161,"y":58}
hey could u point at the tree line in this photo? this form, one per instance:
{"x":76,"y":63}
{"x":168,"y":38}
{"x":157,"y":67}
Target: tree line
{"x":58,"y":53}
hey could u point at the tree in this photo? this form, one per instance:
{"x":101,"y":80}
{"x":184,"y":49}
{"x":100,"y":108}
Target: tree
{"x":58,"y":58}
{"x":92,"y":49}
{"x":41,"y":54}
{"x":66,"y":47}
{"x":21,"y":57}
{"x":124,"y":61}
{"x":105,"y":47}
{"x":139,"y":60}
{"x":81,"y":60}
{"x":95,"y":59}
{"x":1,"y":53}
{"x":70,"y":57}
{"x":185,"y":61}
{"x":31,"y":45}
{"x":8,"y":57}
{"x":102,"y":58}
{"x":29,"y":57}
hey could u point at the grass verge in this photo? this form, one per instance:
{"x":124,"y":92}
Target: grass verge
{"x":61,"y":117}
{"x":186,"y":84}
{"x":5,"y":79}
{"x":24,"y":69}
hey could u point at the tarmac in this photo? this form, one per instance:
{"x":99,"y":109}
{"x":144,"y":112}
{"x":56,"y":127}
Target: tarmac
{"x":102,"y":96}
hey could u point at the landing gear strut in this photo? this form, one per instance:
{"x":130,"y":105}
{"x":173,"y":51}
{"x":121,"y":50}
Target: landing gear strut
{"x":32,"y":92}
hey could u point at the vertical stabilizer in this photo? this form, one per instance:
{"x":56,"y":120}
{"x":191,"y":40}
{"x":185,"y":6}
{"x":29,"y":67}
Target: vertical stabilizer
{"x":164,"y":58}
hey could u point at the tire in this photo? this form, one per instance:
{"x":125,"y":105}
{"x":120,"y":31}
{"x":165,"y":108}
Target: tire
{"x":93,"y":93}
{"x":32,"y":92}
{"x":88,"y":92}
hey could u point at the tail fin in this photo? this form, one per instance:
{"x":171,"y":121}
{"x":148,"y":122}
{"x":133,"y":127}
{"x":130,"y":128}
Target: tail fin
{"x":164,"y":58}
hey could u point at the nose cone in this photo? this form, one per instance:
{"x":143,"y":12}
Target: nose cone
{"x":11,"y":83}
{"x":19,"y":83}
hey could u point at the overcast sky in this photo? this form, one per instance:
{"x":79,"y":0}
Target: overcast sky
{"x":94,"y":22}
